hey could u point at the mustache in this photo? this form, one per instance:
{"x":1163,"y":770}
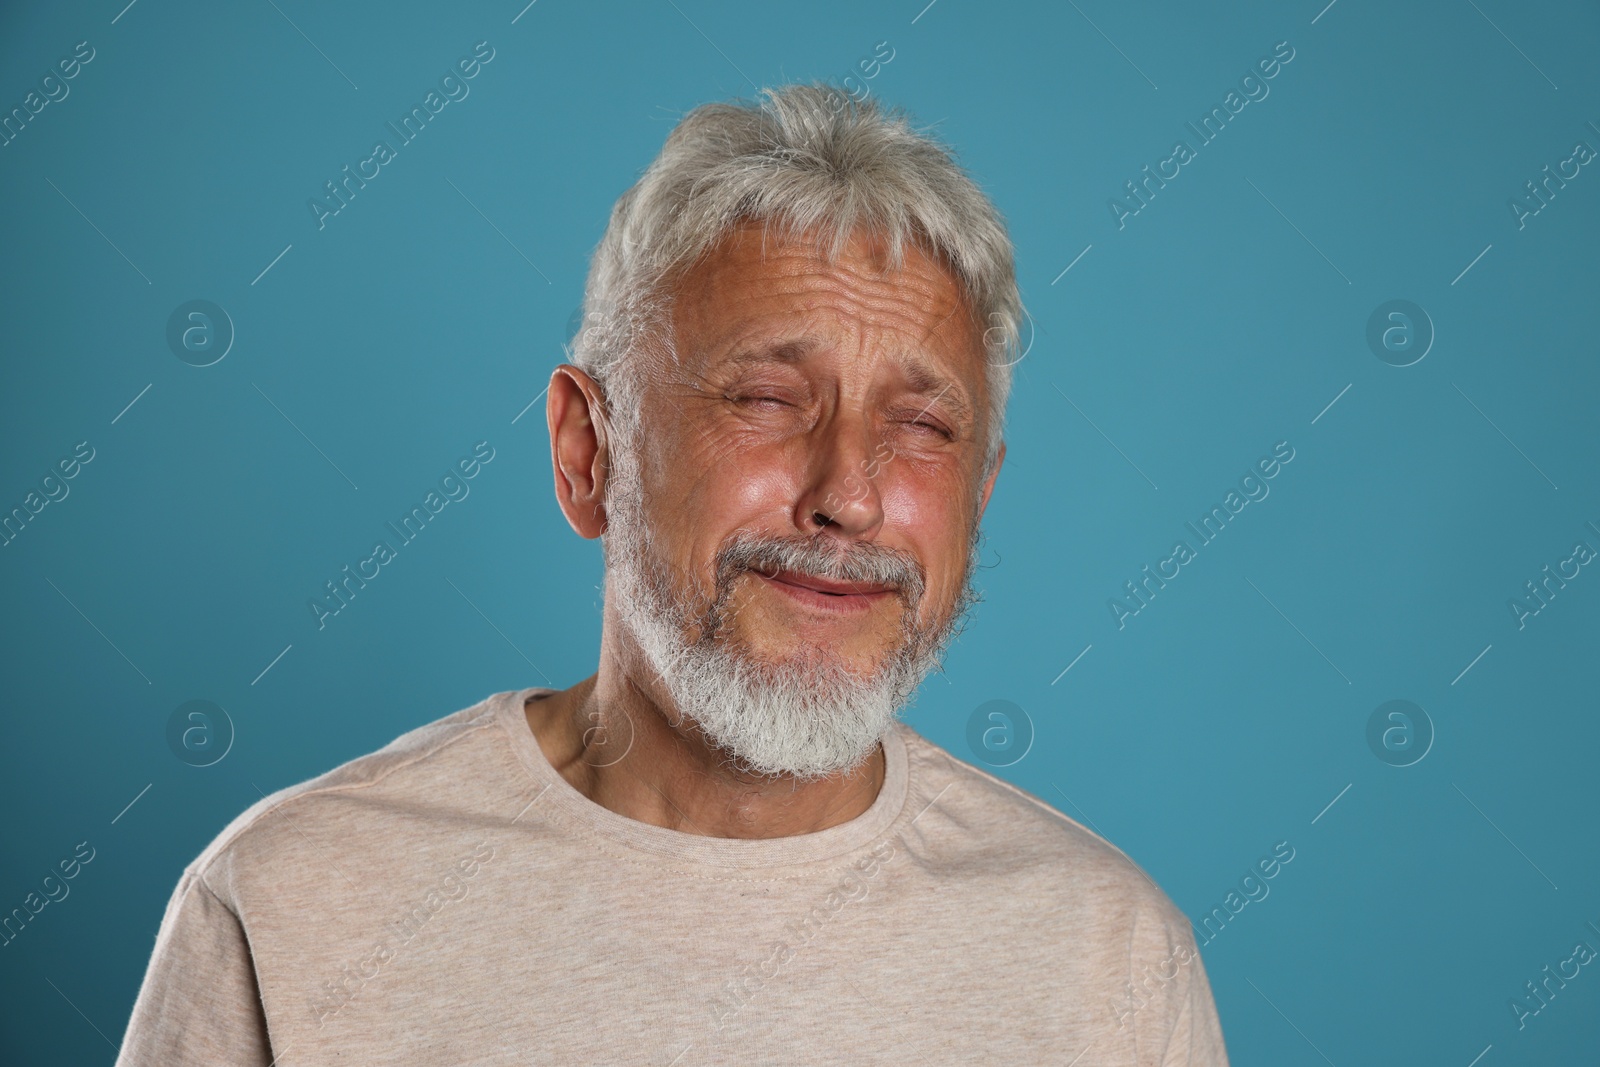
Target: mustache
{"x":866,"y":562}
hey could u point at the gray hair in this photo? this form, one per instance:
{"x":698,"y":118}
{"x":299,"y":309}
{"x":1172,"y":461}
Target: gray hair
{"x":806,"y":156}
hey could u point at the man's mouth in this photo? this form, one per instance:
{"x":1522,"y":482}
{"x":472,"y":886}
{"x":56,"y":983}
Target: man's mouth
{"x":827,"y":593}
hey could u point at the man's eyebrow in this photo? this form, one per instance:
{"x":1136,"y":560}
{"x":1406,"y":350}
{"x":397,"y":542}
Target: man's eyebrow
{"x":928,"y":382}
{"x":789,"y":350}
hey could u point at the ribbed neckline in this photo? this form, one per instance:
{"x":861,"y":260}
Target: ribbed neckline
{"x":690,"y":849}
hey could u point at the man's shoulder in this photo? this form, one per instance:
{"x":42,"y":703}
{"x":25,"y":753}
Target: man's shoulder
{"x":1017,"y":836}
{"x":359,"y":804}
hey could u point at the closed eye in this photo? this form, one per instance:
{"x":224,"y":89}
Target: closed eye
{"x":762,"y":400}
{"x":924,"y":426}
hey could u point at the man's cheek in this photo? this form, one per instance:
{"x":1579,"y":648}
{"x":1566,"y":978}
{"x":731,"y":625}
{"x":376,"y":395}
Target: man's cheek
{"x":933,"y":514}
{"x":733,"y":485}
{"x":914,"y":501}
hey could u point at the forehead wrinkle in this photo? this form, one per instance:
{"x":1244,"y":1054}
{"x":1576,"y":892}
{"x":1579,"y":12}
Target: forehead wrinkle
{"x":799,"y":270}
{"x":856,"y":291}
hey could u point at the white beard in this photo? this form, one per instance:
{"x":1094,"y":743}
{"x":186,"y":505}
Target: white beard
{"x":809,"y":716}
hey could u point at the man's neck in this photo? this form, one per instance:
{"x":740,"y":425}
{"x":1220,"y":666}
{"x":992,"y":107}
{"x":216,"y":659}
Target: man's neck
{"x":614,"y":743}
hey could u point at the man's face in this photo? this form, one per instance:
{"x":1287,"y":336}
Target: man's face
{"x":825,"y":402}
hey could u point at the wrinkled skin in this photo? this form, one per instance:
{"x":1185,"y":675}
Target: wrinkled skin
{"x":834,"y":401}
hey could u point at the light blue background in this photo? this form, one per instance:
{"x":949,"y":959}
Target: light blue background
{"x":1223,"y":318}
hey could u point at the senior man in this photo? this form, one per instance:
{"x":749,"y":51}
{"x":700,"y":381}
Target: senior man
{"x":783,"y":421}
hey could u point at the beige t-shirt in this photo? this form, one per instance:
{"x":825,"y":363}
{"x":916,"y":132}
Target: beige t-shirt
{"x":451,"y":899}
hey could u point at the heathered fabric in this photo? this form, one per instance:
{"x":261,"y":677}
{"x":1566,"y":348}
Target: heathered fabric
{"x":451,"y":899}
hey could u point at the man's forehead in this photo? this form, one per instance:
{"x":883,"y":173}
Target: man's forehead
{"x":771,"y":254}
{"x":762,"y":297}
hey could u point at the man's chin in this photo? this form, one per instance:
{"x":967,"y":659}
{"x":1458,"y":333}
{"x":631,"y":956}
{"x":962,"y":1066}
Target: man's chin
{"x":804,"y":662}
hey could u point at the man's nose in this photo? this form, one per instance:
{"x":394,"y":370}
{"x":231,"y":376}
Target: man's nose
{"x":840,"y":488}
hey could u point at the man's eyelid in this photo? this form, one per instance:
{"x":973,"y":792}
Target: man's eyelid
{"x":765,"y":391}
{"x":934,"y":426}
{"x":765,"y":377}
{"x":920,"y":412}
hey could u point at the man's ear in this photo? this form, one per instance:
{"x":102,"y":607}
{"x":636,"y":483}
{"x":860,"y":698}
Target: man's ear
{"x":579,"y":448}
